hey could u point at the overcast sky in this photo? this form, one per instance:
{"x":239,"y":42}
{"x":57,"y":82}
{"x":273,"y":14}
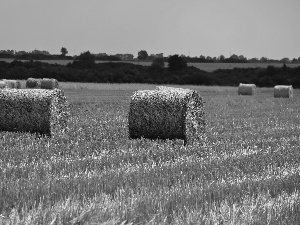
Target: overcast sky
{"x":253,"y":28}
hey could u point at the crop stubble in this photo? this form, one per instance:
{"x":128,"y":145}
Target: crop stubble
{"x":246,"y":170}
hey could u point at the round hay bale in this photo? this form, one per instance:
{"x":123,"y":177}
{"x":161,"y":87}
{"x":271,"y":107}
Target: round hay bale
{"x":246,"y":89}
{"x":33,"y":110}
{"x":3,"y":84}
{"x":49,"y":83}
{"x":56,"y":85}
{"x":33,"y":83}
{"x":12,"y":83}
{"x":171,"y":113}
{"x":283,"y":91}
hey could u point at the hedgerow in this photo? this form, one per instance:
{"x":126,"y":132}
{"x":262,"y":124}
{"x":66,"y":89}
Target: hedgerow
{"x":130,"y":73}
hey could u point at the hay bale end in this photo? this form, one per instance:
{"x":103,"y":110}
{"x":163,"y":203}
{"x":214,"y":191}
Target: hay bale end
{"x":33,"y":83}
{"x":49,"y":83}
{"x":166,"y":113}
{"x":33,"y":110}
{"x":283,"y":91}
{"x":246,"y":89}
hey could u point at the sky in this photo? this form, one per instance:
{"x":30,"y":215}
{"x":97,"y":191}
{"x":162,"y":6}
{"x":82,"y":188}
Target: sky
{"x":256,"y":28}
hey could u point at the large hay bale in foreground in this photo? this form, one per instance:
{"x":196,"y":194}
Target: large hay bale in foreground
{"x":282,"y":91}
{"x":3,"y":84}
{"x":33,"y":110}
{"x":166,"y":113}
{"x":246,"y":89}
{"x":49,"y":83}
{"x":12,"y":83}
{"x":33,"y":83}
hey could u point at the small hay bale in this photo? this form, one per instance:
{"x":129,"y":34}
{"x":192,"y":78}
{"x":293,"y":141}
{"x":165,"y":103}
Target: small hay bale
{"x":12,"y":83}
{"x":49,"y":83}
{"x":170,"y":88}
{"x":3,"y":84}
{"x":282,"y":91}
{"x":33,"y":110}
{"x":246,"y":89}
{"x":33,"y":83}
{"x":166,"y":113}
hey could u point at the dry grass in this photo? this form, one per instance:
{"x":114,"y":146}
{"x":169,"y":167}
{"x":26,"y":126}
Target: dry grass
{"x":245,"y":172}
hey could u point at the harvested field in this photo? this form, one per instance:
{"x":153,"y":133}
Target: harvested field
{"x":246,"y":170}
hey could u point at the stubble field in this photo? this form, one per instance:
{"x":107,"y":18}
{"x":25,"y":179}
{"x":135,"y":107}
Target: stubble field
{"x":246,"y":170}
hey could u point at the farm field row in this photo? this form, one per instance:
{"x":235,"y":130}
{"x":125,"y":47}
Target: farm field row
{"x":209,"y":67}
{"x":246,"y":170}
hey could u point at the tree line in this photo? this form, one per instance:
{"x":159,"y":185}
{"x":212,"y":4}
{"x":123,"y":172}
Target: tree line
{"x":142,"y":55}
{"x":84,"y":69}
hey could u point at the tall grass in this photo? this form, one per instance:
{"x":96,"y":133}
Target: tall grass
{"x":245,"y":172}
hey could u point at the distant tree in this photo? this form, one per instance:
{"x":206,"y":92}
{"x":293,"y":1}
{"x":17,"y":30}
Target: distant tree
{"x":202,"y":58}
{"x":176,"y":63}
{"x":84,"y":60}
{"x":263,"y":59}
{"x":64,"y":51}
{"x":234,"y":56}
{"x":151,"y":57}
{"x":142,"y":55}
{"x":241,"y":57}
{"x":285,"y":60}
{"x":222,"y":57}
{"x":158,"y":63}
{"x":253,"y":60}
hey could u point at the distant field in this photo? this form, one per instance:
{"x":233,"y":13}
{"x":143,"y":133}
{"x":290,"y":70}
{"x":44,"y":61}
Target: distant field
{"x":203,"y":66}
{"x":246,"y":170}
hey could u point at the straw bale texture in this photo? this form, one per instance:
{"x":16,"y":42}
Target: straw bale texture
{"x":3,"y":84}
{"x":33,"y":110}
{"x":246,"y":89}
{"x":33,"y":83}
{"x":282,"y":91}
{"x":166,"y":113}
{"x":49,"y":83}
{"x":12,"y":83}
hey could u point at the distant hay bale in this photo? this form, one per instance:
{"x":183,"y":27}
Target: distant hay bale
{"x":12,"y":83}
{"x":171,"y":88}
{"x":166,"y":113}
{"x":49,"y":83}
{"x":33,"y":83}
{"x":33,"y":110}
{"x":246,"y":89}
{"x":3,"y":84}
{"x":282,"y":91}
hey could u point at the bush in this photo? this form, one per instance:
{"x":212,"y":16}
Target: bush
{"x":176,"y":63}
{"x":158,"y":63}
{"x":84,"y":60}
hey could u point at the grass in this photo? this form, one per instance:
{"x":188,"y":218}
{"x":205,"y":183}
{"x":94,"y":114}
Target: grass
{"x":245,"y":172}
